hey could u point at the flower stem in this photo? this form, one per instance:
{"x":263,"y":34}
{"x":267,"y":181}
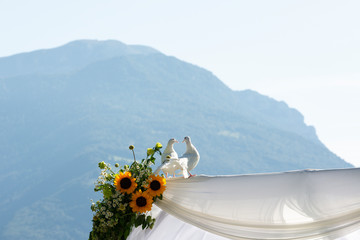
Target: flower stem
{"x":133,"y":154}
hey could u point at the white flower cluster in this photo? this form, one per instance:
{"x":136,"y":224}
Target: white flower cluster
{"x":143,"y":174}
{"x":105,"y":211}
{"x":103,"y":178}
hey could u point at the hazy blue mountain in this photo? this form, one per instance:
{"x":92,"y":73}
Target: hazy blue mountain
{"x":59,"y":118}
{"x":68,"y":58}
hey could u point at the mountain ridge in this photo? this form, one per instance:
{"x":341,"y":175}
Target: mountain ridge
{"x":66,"y":58}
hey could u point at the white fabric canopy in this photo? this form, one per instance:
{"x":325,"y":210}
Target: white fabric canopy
{"x":308,"y":204}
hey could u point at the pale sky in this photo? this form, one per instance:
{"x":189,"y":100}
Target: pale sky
{"x":306,"y":53}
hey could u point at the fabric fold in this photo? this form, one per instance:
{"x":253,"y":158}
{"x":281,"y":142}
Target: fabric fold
{"x":308,"y":204}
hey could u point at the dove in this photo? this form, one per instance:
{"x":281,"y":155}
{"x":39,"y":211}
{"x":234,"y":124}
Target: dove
{"x":190,"y":158}
{"x":169,"y":150}
{"x":168,"y":157}
{"x":170,"y":166}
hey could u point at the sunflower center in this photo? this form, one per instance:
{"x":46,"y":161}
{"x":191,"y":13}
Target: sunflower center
{"x":125,"y":183}
{"x":155,"y":185}
{"x":141,"y":202}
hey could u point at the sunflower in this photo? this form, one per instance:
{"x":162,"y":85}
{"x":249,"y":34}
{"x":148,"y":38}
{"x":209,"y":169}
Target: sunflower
{"x":141,"y":202}
{"x":156,"y":185}
{"x":125,"y":183}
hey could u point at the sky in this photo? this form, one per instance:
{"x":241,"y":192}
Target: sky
{"x":306,"y":53}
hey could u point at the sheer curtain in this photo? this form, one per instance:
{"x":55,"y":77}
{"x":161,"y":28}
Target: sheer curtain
{"x":308,"y":204}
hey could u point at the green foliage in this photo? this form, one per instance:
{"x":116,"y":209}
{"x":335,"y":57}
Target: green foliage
{"x":114,"y":217}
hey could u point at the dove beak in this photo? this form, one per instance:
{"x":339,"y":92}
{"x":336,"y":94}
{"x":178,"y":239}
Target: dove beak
{"x":183,"y":140}
{"x":176,"y":141}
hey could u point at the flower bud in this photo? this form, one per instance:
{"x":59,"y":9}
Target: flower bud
{"x":102,"y":165}
{"x":122,"y":207}
{"x":116,"y":165}
{"x":150,"y":151}
{"x":93,"y":207}
{"x":158,"y":145}
{"x":131,"y":147}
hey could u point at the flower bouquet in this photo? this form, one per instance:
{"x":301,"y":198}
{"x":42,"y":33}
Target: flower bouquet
{"x":128,"y":195}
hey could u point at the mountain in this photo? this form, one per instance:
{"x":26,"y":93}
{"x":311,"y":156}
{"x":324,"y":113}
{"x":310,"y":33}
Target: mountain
{"x":68,"y":58}
{"x":63,"y":110}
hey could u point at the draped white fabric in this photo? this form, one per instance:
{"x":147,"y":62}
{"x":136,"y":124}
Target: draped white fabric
{"x":171,"y":228}
{"x":309,"y":204}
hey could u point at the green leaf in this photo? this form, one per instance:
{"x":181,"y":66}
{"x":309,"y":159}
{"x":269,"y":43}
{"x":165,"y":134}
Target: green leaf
{"x":152,"y":224}
{"x":127,"y":232}
{"x":138,"y":221}
{"x":144,"y":225}
{"x":133,"y":218}
{"x":107,"y":191}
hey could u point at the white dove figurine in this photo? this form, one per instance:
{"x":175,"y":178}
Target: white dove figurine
{"x":191,"y":156}
{"x":169,"y":150}
{"x":171,"y":165}
{"x":168,"y":165}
